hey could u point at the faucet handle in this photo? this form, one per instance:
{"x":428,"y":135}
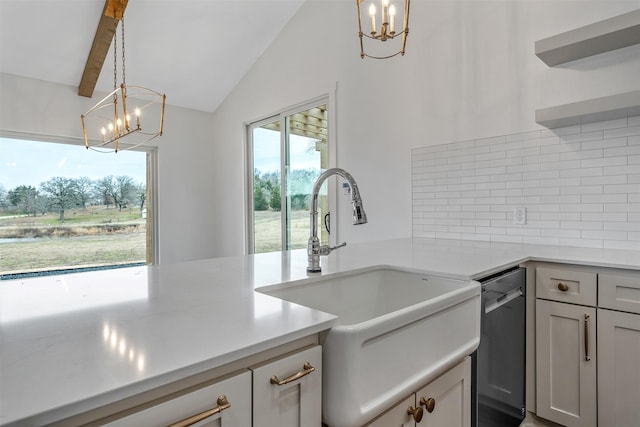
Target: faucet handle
{"x":326,"y":249}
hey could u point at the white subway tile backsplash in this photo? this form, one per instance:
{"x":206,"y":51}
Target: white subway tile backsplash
{"x":586,"y":136}
{"x":626,"y":131}
{"x":604,"y":143}
{"x":523,"y":136}
{"x":568,"y":130}
{"x":618,"y":244}
{"x":633,"y":160}
{"x":607,"y":124}
{"x":580,"y":186}
{"x":605,"y":161}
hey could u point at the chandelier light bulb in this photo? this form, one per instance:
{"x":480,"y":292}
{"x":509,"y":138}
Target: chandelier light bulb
{"x":385,"y":13}
{"x":392,"y":15}
{"x":103,"y":131}
{"x":137,"y":113}
{"x":372,"y":13}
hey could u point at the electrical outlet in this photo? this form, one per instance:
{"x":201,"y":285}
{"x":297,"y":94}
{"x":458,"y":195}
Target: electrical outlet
{"x":519,"y":216}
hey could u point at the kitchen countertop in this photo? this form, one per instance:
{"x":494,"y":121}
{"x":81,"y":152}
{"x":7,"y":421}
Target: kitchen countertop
{"x":72,"y":343}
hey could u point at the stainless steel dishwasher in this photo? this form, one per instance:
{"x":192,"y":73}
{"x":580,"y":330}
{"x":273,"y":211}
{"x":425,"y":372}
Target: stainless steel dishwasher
{"x":498,"y":383}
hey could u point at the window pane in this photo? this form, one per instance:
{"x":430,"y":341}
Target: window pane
{"x":306,"y":159}
{"x":65,"y":207}
{"x":267,"y":223}
{"x":282,"y":187}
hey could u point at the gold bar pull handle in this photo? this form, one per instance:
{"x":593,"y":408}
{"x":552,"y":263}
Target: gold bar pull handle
{"x":223,"y":404}
{"x":586,"y":338}
{"x":306,"y":370}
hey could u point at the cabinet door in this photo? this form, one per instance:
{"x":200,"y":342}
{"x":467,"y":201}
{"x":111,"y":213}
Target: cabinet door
{"x":446,"y":401}
{"x":287,"y":392}
{"x":397,"y":416}
{"x":204,"y":407}
{"x":566,"y":363}
{"x":618,"y":373}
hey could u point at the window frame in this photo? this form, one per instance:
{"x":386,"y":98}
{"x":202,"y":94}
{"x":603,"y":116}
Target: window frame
{"x":153,"y":232}
{"x":281,"y":115}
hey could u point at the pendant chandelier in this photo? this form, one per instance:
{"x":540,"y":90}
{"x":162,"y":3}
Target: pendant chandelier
{"x":133,"y":114}
{"x":382,"y":28}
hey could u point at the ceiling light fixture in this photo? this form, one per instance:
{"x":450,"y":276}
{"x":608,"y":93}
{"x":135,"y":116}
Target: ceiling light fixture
{"x":387,"y":22}
{"x":121,"y":113}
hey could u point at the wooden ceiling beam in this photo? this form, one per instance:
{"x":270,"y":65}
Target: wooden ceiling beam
{"x":111,"y":14}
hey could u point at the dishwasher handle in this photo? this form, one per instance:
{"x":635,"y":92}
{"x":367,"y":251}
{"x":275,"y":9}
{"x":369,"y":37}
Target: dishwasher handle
{"x":503,"y":299}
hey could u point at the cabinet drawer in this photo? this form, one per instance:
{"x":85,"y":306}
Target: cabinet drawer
{"x":236,"y":390}
{"x":619,"y":292}
{"x":566,"y":285}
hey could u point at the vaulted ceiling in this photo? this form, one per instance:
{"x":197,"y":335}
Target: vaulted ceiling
{"x":195,"y":51}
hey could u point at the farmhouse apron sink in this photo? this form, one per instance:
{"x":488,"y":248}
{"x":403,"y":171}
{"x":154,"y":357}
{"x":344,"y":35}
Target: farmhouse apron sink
{"x":397,"y":330}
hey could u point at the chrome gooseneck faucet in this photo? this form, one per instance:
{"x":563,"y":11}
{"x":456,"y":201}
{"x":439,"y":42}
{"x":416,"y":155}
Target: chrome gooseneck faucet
{"x":314,"y":250}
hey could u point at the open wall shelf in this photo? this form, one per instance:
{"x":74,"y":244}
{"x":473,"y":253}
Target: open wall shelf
{"x":603,"y":36}
{"x":592,"y":110}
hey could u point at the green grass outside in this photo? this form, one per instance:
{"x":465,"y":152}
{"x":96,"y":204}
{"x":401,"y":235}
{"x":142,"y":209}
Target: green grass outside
{"x":101,"y":236}
{"x":92,"y":237}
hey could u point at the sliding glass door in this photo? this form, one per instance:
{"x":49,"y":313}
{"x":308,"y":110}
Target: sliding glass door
{"x":287,"y":153}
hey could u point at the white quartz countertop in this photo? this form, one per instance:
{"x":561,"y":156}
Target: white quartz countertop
{"x":72,"y":343}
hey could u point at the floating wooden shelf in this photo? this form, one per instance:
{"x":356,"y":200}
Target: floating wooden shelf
{"x":592,"y":110}
{"x":603,"y":36}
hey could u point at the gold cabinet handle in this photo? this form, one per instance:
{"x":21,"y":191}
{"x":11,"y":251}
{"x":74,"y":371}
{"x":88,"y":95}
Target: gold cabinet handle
{"x":416,"y":413}
{"x":306,"y":370}
{"x":429,"y":403}
{"x":223,"y":404}
{"x":563,"y":287}
{"x":586,"y":338}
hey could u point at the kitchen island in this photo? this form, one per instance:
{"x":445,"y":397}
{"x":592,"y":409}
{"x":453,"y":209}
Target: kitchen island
{"x":75,"y":343}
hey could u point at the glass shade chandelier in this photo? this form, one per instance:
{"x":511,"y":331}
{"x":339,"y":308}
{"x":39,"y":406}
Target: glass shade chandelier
{"x":382,"y":28}
{"x":122,"y":112}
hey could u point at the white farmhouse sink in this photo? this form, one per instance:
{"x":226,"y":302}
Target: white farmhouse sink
{"x":397,"y":330}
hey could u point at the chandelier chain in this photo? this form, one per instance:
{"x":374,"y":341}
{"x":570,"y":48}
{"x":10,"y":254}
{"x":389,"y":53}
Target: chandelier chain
{"x":115,"y":63}
{"x":124,"y":78}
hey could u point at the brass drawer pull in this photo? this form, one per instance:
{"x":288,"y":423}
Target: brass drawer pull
{"x":416,"y":413}
{"x":586,"y":338}
{"x":223,"y":404}
{"x":563,"y":287}
{"x":306,"y":370}
{"x":429,"y":403}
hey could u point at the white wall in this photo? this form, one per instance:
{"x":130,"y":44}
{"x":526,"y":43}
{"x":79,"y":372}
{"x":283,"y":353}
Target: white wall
{"x":470,"y":72}
{"x":185,"y":196}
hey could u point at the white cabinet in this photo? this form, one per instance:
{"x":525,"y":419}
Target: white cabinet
{"x":226,"y":403}
{"x":398,"y":416}
{"x":619,"y":350}
{"x":446,"y":401}
{"x":618,"y":370}
{"x":566,"y":363}
{"x":581,"y":381}
{"x":287,"y":392}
